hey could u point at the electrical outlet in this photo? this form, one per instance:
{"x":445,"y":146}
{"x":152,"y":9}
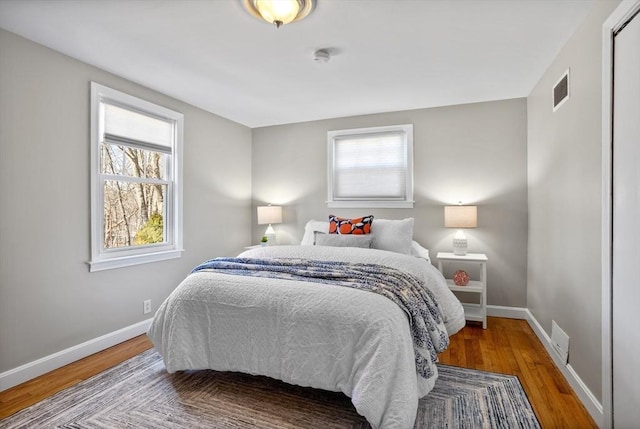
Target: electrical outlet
{"x":146,"y":306}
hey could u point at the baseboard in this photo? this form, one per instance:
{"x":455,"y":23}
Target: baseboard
{"x":587,"y":398}
{"x":508,"y":312}
{"x":34,"y":369}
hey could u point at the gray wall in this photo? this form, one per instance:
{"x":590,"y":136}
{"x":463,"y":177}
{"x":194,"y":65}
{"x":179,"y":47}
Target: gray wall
{"x":476,"y":153}
{"x":48,"y":299}
{"x":565,"y":180}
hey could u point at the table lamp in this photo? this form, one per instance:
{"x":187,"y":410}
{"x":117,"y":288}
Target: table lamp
{"x":460,"y":217}
{"x":269,"y":215}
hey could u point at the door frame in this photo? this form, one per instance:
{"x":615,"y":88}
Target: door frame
{"x":615,"y":21}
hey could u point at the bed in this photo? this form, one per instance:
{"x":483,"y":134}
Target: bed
{"x":308,"y":333}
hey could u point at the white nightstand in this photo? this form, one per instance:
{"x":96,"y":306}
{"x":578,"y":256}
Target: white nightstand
{"x":256,"y":246}
{"x":472,"y":311}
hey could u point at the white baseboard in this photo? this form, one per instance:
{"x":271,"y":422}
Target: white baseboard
{"x":508,"y":312}
{"x":587,"y":398}
{"x":34,"y":369}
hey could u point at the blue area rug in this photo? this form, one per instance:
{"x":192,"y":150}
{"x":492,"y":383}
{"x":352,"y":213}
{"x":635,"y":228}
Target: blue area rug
{"x":139,"y":393}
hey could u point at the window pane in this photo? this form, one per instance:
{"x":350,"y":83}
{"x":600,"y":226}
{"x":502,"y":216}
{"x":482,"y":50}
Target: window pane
{"x":133,"y":162}
{"x":379,"y":151}
{"x":370,"y":183}
{"x":370,"y":167}
{"x":134,"y":214}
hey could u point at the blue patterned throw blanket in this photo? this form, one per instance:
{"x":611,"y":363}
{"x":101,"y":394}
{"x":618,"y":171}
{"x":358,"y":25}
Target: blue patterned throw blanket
{"x":407,"y":291}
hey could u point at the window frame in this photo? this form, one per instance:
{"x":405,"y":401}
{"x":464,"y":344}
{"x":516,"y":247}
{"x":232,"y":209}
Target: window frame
{"x":104,"y":259}
{"x":406,"y":130}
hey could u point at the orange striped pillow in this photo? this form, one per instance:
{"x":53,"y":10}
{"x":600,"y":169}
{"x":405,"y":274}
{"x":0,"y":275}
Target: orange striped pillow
{"x":339,"y":225}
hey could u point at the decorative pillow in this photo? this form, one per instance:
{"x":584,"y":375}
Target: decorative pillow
{"x":310,"y":228}
{"x":346,"y":240}
{"x":393,"y":235}
{"x":339,"y":225}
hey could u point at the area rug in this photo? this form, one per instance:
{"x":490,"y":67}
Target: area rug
{"x":139,"y":393}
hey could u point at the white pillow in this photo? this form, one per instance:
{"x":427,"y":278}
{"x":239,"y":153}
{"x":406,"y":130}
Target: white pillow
{"x":393,"y":235}
{"x":343,"y":240}
{"x":420,"y":252}
{"x":310,"y":228}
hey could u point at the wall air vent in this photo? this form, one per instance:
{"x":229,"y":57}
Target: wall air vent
{"x":560,"y":93}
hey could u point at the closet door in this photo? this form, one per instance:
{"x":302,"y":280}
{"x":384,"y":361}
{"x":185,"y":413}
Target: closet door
{"x":626,"y":227}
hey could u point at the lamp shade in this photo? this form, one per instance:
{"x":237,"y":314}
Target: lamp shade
{"x":269,"y":215}
{"x":460,"y":216}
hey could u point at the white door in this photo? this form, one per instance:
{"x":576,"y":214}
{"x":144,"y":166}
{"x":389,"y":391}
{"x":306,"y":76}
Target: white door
{"x":626,"y":227}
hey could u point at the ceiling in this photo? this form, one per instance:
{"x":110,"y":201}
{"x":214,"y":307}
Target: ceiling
{"x":387,"y":55}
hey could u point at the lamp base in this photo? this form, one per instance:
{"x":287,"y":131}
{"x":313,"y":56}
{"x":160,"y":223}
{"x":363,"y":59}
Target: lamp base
{"x":270,"y":233}
{"x":460,"y":244}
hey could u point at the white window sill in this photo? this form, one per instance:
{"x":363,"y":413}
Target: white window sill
{"x":127,"y":261}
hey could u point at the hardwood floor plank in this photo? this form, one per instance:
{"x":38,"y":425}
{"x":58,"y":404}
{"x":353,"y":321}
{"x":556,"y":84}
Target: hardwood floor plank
{"x":33,"y":391}
{"x":473,"y":353}
{"x":507,"y":346}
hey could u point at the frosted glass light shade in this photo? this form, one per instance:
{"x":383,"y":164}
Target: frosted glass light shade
{"x":283,"y":11}
{"x":279,"y":12}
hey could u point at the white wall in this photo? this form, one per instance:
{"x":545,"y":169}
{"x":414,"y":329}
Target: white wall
{"x":475,"y":153}
{"x":48,"y":299}
{"x":565,"y":177}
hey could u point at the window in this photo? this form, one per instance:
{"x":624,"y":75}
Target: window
{"x":371,"y":167}
{"x":136,"y":201}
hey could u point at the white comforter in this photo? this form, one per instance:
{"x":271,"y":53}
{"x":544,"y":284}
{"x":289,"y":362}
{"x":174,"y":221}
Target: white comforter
{"x":323,"y":336}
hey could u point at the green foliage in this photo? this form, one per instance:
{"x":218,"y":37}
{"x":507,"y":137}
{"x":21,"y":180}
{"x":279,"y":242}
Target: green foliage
{"x":152,"y":231}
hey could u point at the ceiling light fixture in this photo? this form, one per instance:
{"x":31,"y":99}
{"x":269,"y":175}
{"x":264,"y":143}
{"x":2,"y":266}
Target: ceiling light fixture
{"x":279,"y":12}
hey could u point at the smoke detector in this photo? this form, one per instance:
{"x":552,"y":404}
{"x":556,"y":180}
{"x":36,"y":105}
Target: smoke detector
{"x":321,"y":56}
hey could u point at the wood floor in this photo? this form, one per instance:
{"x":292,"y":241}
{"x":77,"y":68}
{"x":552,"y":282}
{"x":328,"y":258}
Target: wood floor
{"x":507,"y":346}
{"x":510,"y":346}
{"x":26,"y":394}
